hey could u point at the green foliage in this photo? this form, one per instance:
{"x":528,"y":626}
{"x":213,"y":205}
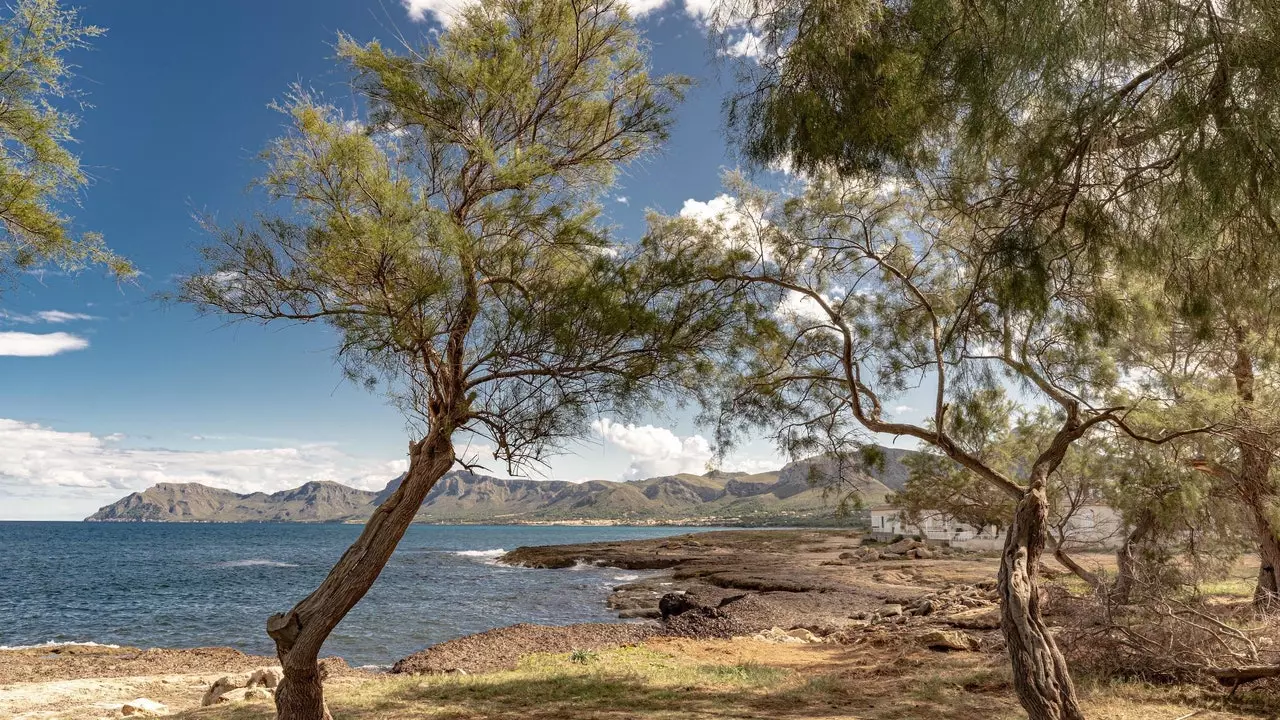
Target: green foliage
{"x":37,"y":170}
{"x":453,"y":239}
{"x":850,"y":293}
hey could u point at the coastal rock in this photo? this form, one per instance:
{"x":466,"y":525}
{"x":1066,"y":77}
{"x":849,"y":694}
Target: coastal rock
{"x":795,"y":635}
{"x":254,"y":694}
{"x":981,"y":618}
{"x":903,"y":546}
{"x":267,"y":677}
{"x":891,"y":610}
{"x":676,"y":603}
{"x":949,"y":640}
{"x":143,"y":707}
{"x":221,"y":687}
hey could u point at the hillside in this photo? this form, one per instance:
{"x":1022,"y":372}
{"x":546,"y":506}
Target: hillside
{"x":785,"y":496}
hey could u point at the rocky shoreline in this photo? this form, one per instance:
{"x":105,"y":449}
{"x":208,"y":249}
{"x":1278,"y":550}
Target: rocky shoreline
{"x":778,"y":586}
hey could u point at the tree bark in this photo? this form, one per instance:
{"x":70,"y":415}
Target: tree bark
{"x":300,"y":632}
{"x":1126,"y":563}
{"x":1040,"y":674}
{"x":1253,"y":479}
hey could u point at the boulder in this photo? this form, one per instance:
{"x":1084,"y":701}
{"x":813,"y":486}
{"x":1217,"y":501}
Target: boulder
{"x":891,"y":610}
{"x":675,"y":604}
{"x":804,"y":635}
{"x":142,"y":707}
{"x":903,"y":546}
{"x":946,"y":640}
{"x":222,"y":686}
{"x":850,"y":556}
{"x":267,"y":677}
{"x":258,"y":693}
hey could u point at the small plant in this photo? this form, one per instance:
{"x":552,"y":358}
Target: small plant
{"x":582,"y":657}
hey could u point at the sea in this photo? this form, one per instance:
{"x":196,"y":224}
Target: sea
{"x":193,"y":585}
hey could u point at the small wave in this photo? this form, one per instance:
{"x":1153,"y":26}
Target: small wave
{"x":374,"y":668}
{"x":253,"y":562}
{"x":480,"y":553}
{"x":57,"y":644}
{"x":626,"y":578}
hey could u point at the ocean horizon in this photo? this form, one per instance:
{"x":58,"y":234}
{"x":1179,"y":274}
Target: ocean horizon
{"x":214,"y":584}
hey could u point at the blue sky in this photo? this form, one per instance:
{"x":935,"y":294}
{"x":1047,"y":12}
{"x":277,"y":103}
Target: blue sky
{"x":140,"y":392}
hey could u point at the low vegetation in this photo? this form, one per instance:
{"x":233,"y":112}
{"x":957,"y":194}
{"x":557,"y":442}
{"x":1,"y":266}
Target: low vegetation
{"x":669,"y":679}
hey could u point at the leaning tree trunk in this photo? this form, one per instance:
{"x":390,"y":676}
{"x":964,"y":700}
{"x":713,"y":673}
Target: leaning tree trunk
{"x":1040,"y":674}
{"x":299,"y":633}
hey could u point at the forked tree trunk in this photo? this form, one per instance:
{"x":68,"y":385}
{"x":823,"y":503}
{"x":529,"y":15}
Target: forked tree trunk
{"x":299,"y":633}
{"x":1040,"y":674}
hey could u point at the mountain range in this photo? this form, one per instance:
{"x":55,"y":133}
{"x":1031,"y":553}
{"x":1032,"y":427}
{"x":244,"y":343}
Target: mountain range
{"x":785,"y":496}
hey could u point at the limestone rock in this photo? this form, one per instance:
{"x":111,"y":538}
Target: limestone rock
{"x":258,"y":693}
{"x":142,"y":707}
{"x":950,"y":640}
{"x":891,"y":610}
{"x":221,"y":687}
{"x":903,"y":546}
{"x":267,"y":677}
{"x":980,"y":618}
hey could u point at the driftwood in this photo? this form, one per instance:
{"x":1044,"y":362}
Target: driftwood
{"x":1234,"y":677}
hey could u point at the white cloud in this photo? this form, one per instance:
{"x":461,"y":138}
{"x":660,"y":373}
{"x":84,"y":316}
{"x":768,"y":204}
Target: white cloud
{"x":655,"y":451}
{"x":748,"y":45}
{"x":59,"y":316}
{"x":46,"y":316}
{"x":720,"y":209}
{"x":447,"y":12}
{"x":623,"y":199}
{"x":70,"y":474}
{"x":18,"y":344}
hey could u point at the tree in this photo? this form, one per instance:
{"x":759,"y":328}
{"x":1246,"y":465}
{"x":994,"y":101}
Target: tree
{"x":1084,"y":136}
{"x":855,"y":292}
{"x":453,"y":242}
{"x":37,"y":170}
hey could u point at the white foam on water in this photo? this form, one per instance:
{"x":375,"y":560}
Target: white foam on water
{"x":56,"y":644}
{"x":253,"y":562}
{"x":480,"y":553}
{"x":626,"y":578}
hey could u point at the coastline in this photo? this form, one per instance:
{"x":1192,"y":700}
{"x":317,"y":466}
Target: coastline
{"x":756,"y":614}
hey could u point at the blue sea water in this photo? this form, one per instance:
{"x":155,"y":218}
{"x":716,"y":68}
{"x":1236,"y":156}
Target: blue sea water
{"x":190,"y":585}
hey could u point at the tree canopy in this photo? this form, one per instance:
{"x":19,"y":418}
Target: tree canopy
{"x":38,"y":171}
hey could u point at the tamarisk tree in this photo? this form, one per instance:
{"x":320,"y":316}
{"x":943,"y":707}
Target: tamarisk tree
{"x":453,"y":242}
{"x":857,"y":292}
{"x":37,"y":169}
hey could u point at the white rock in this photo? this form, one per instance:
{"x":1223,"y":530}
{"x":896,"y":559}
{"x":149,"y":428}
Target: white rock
{"x":142,"y":707}
{"x":267,"y":677}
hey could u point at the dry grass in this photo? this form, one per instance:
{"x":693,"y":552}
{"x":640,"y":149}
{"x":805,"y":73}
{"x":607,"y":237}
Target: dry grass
{"x":670,"y":679}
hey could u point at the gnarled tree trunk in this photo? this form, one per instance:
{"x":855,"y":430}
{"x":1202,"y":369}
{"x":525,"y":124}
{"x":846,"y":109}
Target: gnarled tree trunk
{"x":1253,"y":479}
{"x":1040,"y":674}
{"x":299,"y":633}
{"x":1126,"y":562}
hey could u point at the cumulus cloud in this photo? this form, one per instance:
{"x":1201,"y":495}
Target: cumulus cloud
{"x":623,"y":199}
{"x":654,"y":450}
{"x":20,"y":344}
{"x":70,"y":474}
{"x":657,"y":451}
